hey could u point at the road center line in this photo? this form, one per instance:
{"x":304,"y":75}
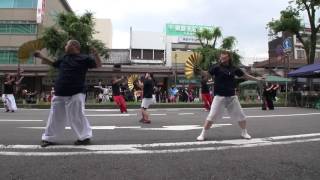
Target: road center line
{"x":138,"y":148}
{"x":19,"y":120}
{"x":181,"y":114}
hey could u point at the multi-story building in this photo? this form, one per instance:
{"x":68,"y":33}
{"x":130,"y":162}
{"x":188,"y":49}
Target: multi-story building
{"x":103,"y":27}
{"x":147,"y":47}
{"x":181,"y":41}
{"x":22,"y":21}
{"x":282,"y":62}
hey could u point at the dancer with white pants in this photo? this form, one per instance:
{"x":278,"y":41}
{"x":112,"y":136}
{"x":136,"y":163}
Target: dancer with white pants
{"x":8,"y":99}
{"x":224,"y":94}
{"x":69,"y":100}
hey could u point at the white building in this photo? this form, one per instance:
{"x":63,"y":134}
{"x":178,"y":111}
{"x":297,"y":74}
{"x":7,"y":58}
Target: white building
{"x":104,"y":31}
{"x":147,"y":47}
{"x":171,"y":47}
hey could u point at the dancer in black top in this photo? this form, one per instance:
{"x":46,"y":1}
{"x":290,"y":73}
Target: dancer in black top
{"x":117,"y":96}
{"x":148,"y":87}
{"x":69,"y":100}
{"x":224,"y":90}
{"x":8,"y":93}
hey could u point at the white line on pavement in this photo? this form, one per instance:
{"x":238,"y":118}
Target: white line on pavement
{"x":181,"y":114}
{"x":19,"y":120}
{"x":119,"y":115}
{"x":166,"y":109}
{"x":163,"y":128}
{"x":92,"y":127}
{"x":143,"y":148}
{"x":282,"y":115}
{"x":110,"y":115}
{"x":158,"y":114}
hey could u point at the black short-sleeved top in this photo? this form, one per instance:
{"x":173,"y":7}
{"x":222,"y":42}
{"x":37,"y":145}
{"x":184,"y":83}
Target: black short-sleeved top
{"x":8,"y":88}
{"x":72,"y":73}
{"x":204,"y":87}
{"x":116,"y":89}
{"x":224,"y":79}
{"x":148,"y":88}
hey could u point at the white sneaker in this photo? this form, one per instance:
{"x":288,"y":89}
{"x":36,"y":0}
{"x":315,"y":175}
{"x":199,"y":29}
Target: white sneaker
{"x":200,"y":138}
{"x":245,"y":135}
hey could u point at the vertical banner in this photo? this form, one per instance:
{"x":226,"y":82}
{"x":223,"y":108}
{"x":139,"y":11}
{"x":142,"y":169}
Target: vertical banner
{"x":40,"y":10}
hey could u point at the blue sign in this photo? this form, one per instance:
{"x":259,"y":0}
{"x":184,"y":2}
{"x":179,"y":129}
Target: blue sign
{"x":287,"y":44}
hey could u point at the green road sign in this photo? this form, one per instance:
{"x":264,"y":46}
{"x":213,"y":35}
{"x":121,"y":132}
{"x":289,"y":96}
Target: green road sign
{"x":183,"y":29}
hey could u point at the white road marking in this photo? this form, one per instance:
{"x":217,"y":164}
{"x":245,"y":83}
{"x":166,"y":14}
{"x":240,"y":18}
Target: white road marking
{"x":153,"y":109}
{"x":277,"y":115}
{"x":119,"y":115}
{"x":158,"y":114}
{"x":110,"y":115}
{"x":181,"y":114}
{"x":294,"y":136}
{"x":152,"y":148}
{"x":19,"y":120}
{"x":163,"y":128}
{"x":181,"y":127}
{"x":92,"y":127}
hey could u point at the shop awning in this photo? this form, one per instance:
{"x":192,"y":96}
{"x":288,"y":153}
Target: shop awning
{"x":271,"y":79}
{"x":312,"y":71}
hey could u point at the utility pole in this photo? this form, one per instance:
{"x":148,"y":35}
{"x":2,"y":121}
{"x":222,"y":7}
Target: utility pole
{"x":176,"y":69}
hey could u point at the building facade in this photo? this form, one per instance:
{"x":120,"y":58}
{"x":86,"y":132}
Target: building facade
{"x":103,"y":28}
{"x":283,"y":62}
{"x":147,"y":47}
{"x":22,"y":21}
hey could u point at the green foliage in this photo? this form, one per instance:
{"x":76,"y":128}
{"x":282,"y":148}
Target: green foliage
{"x":70,"y":26}
{"x":291,"y":21}
{"x":209,"y":39}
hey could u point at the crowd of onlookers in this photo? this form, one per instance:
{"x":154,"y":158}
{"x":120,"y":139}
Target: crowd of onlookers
{"x":161,"y":95}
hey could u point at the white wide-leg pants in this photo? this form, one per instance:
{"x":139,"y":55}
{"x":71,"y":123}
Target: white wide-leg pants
{"x":9,"y":102}
{"x":67,"y":109}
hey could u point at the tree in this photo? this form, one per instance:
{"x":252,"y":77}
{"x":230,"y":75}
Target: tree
{"x":209,"y":39}
{"x":291,"y":21}
{"x":70,"y":26}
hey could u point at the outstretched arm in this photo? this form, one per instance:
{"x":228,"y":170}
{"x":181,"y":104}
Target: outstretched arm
{"x":118,"y":80}
{"x":99,"y":87}
{"x":10,"y":81}
{"x":249,"y":77}
{"x":45,"y":60}
{"x":96,"y":57}
{"x":19,"y":81}
{"x":140,"y":84}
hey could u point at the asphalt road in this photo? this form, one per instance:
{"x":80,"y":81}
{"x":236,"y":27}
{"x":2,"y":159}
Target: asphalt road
{"x":285,"y":145}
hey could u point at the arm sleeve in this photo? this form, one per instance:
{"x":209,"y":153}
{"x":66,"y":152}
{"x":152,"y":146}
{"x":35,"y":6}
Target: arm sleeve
{"x":239,"y":72}
{"x":57,"y":63}
{"x":213,"y":70}
{"x":91,"y":63}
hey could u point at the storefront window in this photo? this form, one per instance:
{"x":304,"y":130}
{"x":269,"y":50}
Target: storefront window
{"x":16,"y":28}
{"x":10,"y":57}
{"x":18,"y":4}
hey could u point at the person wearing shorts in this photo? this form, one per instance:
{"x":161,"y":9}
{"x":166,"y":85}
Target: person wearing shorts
{"x":148,"y":87}
{"x":224,"y":95}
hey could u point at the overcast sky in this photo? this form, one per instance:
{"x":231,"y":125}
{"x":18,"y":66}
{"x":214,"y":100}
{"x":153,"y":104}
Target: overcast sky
{"x":244,"y":19}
